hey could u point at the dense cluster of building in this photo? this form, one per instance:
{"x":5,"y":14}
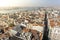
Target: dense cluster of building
{"x":29,"y":24}
{"x":54,"y":24}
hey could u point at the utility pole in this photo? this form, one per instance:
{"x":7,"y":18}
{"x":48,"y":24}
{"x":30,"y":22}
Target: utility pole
{"x":46,"y":30}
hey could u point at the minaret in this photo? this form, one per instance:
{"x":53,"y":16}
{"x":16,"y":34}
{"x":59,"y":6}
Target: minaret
{"x":46,"y":30}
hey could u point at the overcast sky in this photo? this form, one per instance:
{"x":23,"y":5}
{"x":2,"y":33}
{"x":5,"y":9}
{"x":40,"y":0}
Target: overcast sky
{"x":29,"y":3}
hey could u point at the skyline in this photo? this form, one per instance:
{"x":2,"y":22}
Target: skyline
{"x":29,"y":3}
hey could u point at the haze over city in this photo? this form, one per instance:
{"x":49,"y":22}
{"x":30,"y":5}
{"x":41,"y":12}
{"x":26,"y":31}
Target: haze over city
{"x":29,"y":3}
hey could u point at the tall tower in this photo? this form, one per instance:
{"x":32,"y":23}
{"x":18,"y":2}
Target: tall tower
{"x":46,"y":30}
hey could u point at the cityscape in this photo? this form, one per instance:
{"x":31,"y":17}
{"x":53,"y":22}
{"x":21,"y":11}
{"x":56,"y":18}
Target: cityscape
{"x":29,"y":19}
{"x":30,"y":24}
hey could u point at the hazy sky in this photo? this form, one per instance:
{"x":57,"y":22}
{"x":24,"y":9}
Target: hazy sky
{"x":28,"y":3}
